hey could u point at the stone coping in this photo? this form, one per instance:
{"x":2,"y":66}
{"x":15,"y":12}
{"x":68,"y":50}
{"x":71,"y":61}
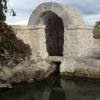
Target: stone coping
{"x":35,"y":27}
{"x":28,"y":27}
{"x":78,"y":27}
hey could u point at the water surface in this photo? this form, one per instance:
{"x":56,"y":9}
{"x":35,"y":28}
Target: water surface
{"x":54,"y":89}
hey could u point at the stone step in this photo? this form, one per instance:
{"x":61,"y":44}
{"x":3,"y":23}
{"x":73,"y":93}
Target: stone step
{"x":55,"y":58}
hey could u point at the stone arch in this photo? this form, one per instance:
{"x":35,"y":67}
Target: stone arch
{"x":35,"y":18}
{"x":70,"y":17}
{"x":73,"y":24}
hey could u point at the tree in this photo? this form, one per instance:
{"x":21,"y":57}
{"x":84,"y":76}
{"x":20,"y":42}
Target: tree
{"x":3,"y":7}
{"x":10,"y":46}
{"x":3,"y":10}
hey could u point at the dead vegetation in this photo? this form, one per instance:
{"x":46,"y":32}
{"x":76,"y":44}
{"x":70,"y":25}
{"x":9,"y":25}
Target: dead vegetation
{"x":12,"y":49}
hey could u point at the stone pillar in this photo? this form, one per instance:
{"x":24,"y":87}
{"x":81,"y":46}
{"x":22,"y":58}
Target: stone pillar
{"x":35,"y":37}
{"x":78,"y":42}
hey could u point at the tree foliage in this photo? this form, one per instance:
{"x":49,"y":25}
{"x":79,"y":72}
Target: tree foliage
{"x":97,"y":25}
{"x":4,"y":9}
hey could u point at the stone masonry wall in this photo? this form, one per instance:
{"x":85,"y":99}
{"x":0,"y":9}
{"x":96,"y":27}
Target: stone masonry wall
{"x":78,"y":42}
{"x":35,"y":37}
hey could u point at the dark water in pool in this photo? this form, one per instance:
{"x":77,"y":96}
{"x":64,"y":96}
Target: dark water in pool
{"x":54,"y":89}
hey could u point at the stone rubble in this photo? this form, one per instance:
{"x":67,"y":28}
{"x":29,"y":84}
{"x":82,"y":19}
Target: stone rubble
{"x":27,"y":71}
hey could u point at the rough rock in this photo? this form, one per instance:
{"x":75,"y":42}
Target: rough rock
{"x":82,"y":67}
{"x":26,"y":71}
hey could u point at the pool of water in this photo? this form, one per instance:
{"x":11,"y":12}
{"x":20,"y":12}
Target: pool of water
{"x":54,"y":88}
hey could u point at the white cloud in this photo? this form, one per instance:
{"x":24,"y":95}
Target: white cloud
{"x":17,"y":20}
{"x":91,"y":19}
{"x":20,"y":22}
{"x":88,"y":8}
{"x":23,"y":9}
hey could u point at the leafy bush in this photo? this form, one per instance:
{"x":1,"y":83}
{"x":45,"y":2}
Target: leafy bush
{"x":97,"y":24}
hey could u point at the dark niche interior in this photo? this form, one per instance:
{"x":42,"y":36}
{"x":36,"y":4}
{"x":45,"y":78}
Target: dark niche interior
{"x":54,"y":33}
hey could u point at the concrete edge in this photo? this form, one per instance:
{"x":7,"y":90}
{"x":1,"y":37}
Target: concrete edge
{"x":78,"y":28}
{"x":35,"y":27}
{"x":28,"y":27}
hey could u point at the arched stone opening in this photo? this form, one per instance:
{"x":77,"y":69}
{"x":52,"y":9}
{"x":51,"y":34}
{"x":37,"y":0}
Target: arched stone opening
{"x":69,"y":32}
{"x":54,"y":33}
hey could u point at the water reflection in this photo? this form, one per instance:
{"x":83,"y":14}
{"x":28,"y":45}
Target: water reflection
{"x":57,"y":92}
{"x":54,"y":89}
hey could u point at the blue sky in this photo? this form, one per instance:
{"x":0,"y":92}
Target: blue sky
{"x":89,"y":9}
